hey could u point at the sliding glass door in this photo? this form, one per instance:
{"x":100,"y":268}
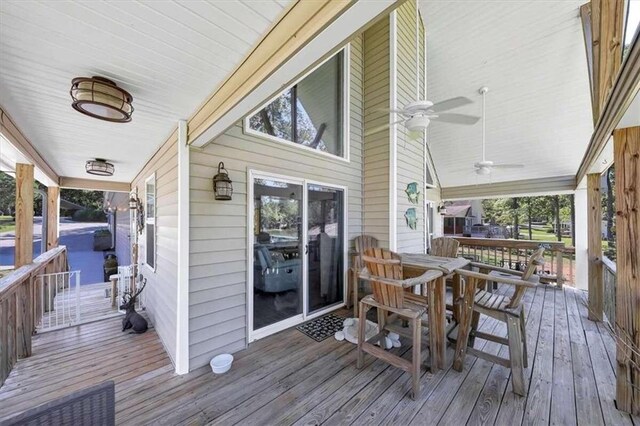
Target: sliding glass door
{"x":297,"y":251}
{"x":325,"y":235}
{"x":277,"y":252}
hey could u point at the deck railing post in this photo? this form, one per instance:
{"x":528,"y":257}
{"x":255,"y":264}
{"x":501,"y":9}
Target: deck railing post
{"x":77,"y":277}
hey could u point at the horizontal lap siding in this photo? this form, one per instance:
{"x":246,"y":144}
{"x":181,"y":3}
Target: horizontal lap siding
{"x":161,"y":288}
{"x":410,"y":152}
{"x":376,"y":146}
{"x":218,"y":229}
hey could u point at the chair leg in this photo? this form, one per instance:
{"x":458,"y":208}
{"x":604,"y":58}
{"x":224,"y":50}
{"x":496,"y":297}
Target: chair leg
{"x":382,"y":322}
{"x":475,"y":320}
{"x":525,"y":355}
{"x":362,"y":327}
{"x":467,"y":316}
{"x":416,"y":358}
{"x":515,"y":355}
{"x":354,"y":279}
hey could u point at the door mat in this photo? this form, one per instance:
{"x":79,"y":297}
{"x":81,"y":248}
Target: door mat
{"x":323,"y":327}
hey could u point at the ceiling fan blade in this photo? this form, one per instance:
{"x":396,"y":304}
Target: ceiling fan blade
{"x":508,"y":166}
{"x":450,"y":104}
{"x":449,"y":117}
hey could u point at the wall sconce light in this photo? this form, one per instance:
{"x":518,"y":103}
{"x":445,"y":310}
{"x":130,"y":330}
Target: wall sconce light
{"x":222,"y":185}
{"x":442,"y":209}
{"x":133,"y":202}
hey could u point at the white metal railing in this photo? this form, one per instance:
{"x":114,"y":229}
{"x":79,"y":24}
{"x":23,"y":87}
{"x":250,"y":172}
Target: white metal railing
{"x":59,"y":297}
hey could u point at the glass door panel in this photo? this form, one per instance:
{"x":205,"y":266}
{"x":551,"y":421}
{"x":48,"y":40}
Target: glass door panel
{"x":277,"y":251}
{"x":325,"y":234}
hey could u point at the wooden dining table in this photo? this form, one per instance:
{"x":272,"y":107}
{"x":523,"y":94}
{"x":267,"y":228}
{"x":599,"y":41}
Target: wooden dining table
{"x":416,"y":264}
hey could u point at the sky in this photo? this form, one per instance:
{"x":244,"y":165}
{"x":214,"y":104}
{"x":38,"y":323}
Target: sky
{"x":632,"y":21}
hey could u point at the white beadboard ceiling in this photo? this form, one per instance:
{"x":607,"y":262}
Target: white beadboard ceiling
{"x":169,"y":55}
{"x":531,"y":55}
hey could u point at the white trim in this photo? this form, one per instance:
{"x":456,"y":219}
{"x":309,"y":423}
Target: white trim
{"x":252,"y":334}
{"x":393,"y":132}
{"x":182,"y":297}
{"x":346,"y":99}
{"x":153,"y":220}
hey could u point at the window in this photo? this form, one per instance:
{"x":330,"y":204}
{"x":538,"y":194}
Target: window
{"x":311,"y":113}
{"x":150,"y":222}
{"x":429,"y":177}
{"x":631,"y":25}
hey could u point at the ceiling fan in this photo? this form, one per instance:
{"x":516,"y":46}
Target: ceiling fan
{"x":485,"y":167}
{"x":417,"y":115}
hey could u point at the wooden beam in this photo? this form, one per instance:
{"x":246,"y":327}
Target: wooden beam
{"x":594,"y":247}
{"x":94,"y":185}
{"x":624,"y":91}
{"x":525,"y":187}
{"x":303,"y":21}
{"x":607,"y":23}
{"x":24,"y":215}
{"x":10,"y":131}
{"x":53,"y":216}
{"x":627,"y":188}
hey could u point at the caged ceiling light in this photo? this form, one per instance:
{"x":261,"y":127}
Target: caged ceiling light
{"x":99,"y":167}
{"x":101,"y":98}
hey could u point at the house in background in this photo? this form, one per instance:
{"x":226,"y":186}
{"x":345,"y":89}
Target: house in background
{"x":461,"y":216}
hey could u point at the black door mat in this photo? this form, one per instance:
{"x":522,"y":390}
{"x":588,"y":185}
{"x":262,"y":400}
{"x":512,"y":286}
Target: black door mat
{"x":321,"y":328}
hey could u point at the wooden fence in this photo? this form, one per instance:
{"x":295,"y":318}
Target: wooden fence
{"x":513,"y":254}
{"x":609,"y":282}
{"x":21,"y":309}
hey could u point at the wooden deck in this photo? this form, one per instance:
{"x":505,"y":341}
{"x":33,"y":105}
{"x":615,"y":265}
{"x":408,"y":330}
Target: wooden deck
{"x":291,"y":379}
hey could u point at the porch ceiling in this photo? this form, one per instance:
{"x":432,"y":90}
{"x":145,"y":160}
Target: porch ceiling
{"x":531,"y":55}
{"x":168,"y":55}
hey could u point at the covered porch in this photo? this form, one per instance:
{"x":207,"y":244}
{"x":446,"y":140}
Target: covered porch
{"x":289,"y":378}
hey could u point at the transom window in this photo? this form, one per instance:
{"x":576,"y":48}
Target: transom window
{"x":311,"y":113}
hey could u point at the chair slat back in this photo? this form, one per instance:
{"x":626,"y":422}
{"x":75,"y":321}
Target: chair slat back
{"x":385,"y":264}
{"x":362,"y":243}
{"x":445,"y":247}
{"x":535,"y":260}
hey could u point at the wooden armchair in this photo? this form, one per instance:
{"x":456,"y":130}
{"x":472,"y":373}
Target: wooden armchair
{"x":444,"y":247}
{"x":506,"y":309}
{"x":384,"y":271}
{"x":362,"y":243}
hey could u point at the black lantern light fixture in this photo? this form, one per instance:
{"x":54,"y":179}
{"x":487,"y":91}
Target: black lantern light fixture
{"x":101,"y":98}
{"x":442,"y":209}
{"x":134,"y":202}
{"x":99,"y":167}
{"x":222,"y":185}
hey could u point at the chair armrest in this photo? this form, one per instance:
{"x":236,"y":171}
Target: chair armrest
{"x":504,"y":280}
{"x":496,"y":268}
{"x":428,"y":276}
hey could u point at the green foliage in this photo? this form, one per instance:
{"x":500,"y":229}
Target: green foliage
{"x":89,"y":199}
{"x":89,"y":215}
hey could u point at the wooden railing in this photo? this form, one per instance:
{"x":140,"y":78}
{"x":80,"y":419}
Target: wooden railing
{"x":513,"y":254}
{"x":20,"y":309}
{"x":609,"y":282}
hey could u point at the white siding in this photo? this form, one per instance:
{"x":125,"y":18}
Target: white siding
{"x":376,"y":146}
{"x":218,"y":234}
{"x":161,"y":289}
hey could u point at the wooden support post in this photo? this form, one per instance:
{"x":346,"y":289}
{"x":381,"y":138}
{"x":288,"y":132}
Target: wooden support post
{"x":24,"y":215}
{"x":559,"y":268}
{"x":606,"y":32}
{"x":53,"y":216}
{"x":594,"y":247}
{"x":626,"y":149}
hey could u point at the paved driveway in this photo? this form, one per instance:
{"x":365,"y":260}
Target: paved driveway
{"x":77,"y":236}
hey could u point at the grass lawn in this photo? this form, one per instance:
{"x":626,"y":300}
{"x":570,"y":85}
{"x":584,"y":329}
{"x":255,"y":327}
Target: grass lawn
{"x":543,"y":235}
{"x":7,"y":224}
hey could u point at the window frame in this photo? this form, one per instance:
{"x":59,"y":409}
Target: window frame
{"x":151,"y":220}
{"x":346,"y":103}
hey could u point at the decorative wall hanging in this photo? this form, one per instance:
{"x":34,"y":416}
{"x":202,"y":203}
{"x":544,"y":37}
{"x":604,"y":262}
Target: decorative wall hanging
{"x":412,"y":192}
{"x":412,"y":218}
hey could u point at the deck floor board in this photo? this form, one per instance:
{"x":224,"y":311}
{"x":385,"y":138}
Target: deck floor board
{"x":289,"y":378}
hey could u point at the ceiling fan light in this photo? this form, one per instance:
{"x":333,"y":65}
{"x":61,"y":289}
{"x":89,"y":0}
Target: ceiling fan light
{"x":417,"y":123}
{"x":101,"y":98}
{"x":99,"y":167}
